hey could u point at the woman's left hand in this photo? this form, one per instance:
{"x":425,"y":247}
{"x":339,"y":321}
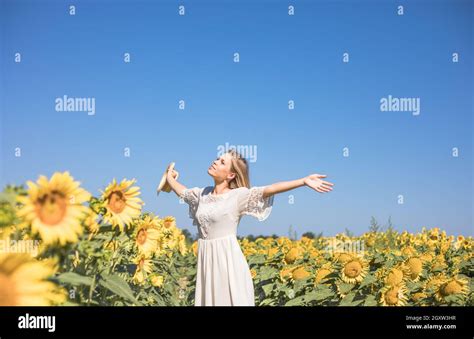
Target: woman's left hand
{"x":314,"y":181}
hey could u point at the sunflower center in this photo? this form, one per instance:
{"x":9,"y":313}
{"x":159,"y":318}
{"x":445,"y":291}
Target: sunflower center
{"x":51,"y":207}
{"x":451,"y":287}
{"x":141,"y":236}
{"x":300,"y":273}
{"x":391,"y":296}
{"x":415,"y":265}
{"x":395,"y":277}
{"x":117,"y":201}
{"x":419,"y":295}
{"x":292,"y":255}
{"x":352,"y":269}
{"x":7,"y":295}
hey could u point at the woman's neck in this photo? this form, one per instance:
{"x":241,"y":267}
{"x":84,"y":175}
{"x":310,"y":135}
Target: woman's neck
{"x":220,"y":188}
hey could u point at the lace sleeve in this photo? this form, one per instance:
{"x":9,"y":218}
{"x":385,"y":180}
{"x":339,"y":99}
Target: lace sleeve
{"x":252,"y":203}
{"x":191,"y":197}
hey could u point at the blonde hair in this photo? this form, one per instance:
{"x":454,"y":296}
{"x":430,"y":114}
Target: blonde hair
{"x":240,"y":167}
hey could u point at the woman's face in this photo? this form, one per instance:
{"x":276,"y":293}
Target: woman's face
{"x":220,"y":168}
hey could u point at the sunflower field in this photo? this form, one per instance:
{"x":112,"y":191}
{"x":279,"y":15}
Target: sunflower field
{"x":60,"y":245}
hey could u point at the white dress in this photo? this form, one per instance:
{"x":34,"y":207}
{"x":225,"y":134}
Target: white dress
{"x":223,"y":275}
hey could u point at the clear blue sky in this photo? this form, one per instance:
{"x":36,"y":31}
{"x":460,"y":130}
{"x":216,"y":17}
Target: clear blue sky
{"x":281,"y":58}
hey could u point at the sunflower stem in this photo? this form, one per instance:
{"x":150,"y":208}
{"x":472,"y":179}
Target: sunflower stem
{"x":91,"y":290}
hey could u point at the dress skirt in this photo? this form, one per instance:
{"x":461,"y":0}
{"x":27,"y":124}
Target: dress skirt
{"x":223,"y":274}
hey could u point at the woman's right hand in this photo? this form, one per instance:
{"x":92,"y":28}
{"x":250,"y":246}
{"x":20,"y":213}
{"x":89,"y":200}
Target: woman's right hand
{"x":171,"y":175}
{"x":177,"y":187}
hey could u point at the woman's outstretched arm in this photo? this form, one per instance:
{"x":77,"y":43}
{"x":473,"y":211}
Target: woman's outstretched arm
{"x":174,"y":184}
{"x":313,"y":180}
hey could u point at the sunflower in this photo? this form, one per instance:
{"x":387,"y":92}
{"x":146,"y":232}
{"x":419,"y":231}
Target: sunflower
{"x":23,"y":282}
{"x":426,"y":257}
{"x":413,"y":267}
{"x":157,"y":280}
{"x":90,"y":221}
{"x":343,"y":257}
{"x":122,"y":203}
{"x":169,"y":224}
{"x":285,"y":273}
{"x":271,"y":252}
{"x":183,"y":249}
{"x":249,"y":251}
{"x":53,"y":208}
{"x":146,"y":235}
{"x":454,"y":285}
{"x":395,"y":276}
{"x":393,"y":295}
{"x":194,"y":247}
{"x":144,"y":267}
{"x":299,"y":273}
{"x":283,"y":241}
{"x":463,"y":243}
{"x":418,"y":296}
{"x":313,"y":253}
{"x":169,"y":243}
{"x":438,"y":263}
{"x":322,"y":273}
{"x":435,"y":281}
{"x":292,"y":255}
{"x":370,"y":242}
{"x":444,"y":246}
{"x":354,"y":270}
{"x":253,"y":273}
{"x":408,"y":251}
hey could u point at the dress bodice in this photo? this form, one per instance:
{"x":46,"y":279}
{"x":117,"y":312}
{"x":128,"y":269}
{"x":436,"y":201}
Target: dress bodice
{"x":219,"y":215}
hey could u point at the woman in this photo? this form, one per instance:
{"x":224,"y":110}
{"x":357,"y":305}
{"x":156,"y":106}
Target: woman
{"x":223,"y":275}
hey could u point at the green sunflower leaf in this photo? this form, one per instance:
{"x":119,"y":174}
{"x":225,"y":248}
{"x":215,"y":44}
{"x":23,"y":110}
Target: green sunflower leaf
{"x":370,"y":301}
{"x":298,"y":301}
{"x":267,"y":289}
{"x":74,"y":279}
{"x":345,"y":288}
{"x":117,"y":285}
{"x":368,"y":280}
